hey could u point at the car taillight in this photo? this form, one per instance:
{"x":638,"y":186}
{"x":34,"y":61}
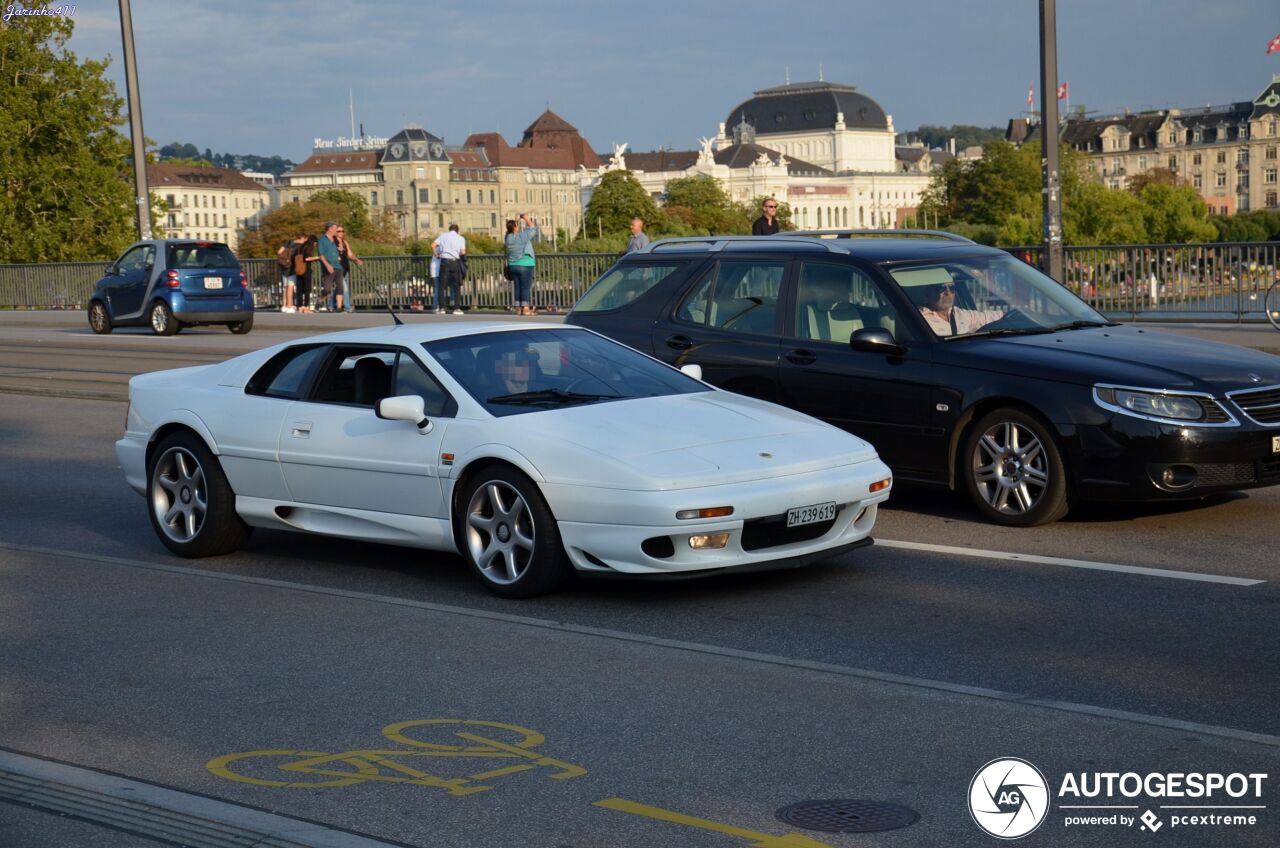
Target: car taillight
{"x":244,"y":281}
{"x":172,"y":280}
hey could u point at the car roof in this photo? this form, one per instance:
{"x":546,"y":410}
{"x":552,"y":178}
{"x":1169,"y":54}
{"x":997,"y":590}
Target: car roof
{"x":421,"y":333}
{"x":872,"y":245}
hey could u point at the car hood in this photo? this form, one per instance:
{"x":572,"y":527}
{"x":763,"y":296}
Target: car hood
{"x":1125,"y":355}
{"x":684,"y":441}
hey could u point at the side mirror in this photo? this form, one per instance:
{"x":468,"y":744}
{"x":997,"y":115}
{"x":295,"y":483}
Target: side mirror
{"x":405,"y":408}
{"x":876,"y":340}
{"x":692,"y":370}
{"x":110,"y":270}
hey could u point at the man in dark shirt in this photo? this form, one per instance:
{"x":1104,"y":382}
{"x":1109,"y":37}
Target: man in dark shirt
{"x":767,"y":224}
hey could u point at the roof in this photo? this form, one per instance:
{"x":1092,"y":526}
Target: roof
{"x":565,"y":157}
{"x":161,"y":175}
{"x":808,"y":107}
{"x":874,"y":247}
{"x":746,"y":155}
{"x":662,"y":160}
{"x":549,"y":121}
{"x":429,"y":331}
{"x":364,"y":160}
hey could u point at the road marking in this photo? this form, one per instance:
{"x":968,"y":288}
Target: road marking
{"x":1070,"y":563}
{"x":348,"y":768}
{"x":761,"y":840}
{"x":189,"y":572}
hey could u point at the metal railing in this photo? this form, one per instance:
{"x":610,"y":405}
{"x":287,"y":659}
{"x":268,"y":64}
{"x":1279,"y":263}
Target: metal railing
{"x":1138,"y":282}
{"x":1224,"y":281}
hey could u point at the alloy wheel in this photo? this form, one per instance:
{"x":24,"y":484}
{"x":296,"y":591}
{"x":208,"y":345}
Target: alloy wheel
{"x":500,"y":532}
{"x":1010,"y":468}
{"x":179,"y":496}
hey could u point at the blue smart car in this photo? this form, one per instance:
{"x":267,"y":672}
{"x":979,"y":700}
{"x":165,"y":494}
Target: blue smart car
{"x":169,"y":284}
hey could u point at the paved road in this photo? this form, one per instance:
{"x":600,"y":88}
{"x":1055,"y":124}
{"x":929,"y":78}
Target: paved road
{"x":891,"y":674}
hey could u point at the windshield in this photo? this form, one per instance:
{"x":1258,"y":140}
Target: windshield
{"x":991,"y":295}
{"x":620,"y":285}
{"x":199,"y":254}
{"x":525,"y":371}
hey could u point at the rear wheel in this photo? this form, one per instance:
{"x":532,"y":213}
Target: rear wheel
{"x":509,"y":536}
{"x":99,"y":320}
{"x":162,"y":321}
{"x":241,"y":327}
{"x":1013,"y":470}
{"x":192,"y":506}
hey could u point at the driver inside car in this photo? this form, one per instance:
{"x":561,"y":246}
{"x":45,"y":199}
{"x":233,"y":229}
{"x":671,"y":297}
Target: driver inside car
{"x":947,"y":319}
{"x":512,"y":369}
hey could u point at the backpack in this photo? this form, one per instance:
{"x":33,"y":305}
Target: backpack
{"x":284,"y":257}
{"x":299,"y":262}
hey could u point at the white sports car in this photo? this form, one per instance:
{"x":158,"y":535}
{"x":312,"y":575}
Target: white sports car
{"x":532,"y":451}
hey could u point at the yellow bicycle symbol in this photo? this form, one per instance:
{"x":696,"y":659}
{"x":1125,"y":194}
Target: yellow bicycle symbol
{"x":320,"y":770}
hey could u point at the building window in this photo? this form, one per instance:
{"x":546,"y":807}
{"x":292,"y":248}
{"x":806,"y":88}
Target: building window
{"x":1222,"y":157}
{"x":421,"y":173}
{"x":424,"y":195}
{"x":1198,"y":135}
{"x":1269,"y":176}
{"x":1195,"y":159}
{"x":1221,"y":180}
{"x":1195,"y":180}
{"x":1173,"y":163}
{"x":1271,"y":200}
{"x":1242,"y":181}
{"x":468,"y":196}
{"x":1142,"y":163}
{"x":1271,"y":128}
{"x":493,"y":220}
{"x":399,"y":197}
{"x":440,"y":218}
{"x":373,"y":198}
{"x":440,"y":196}
{"x":1242,"y":157}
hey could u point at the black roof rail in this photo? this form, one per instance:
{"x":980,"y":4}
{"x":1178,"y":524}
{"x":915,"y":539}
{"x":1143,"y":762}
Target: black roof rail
{"x":714,"y":244}
{"x":837,"y":234}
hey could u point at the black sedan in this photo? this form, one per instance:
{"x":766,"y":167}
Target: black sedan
{"x":964,"y":366}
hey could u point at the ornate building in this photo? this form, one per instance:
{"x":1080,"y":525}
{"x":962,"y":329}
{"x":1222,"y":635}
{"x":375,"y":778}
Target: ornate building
{"x":1227,"y":153}
{"x":826,"y":149}
{"x":206,"y":202}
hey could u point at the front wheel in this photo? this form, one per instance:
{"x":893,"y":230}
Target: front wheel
{"x":99,"y":319}
{"x":509,"y":536}
{"x":1013,"y":470}
{"x":162,"y":321}
{"x":1271,"y":304}
{"x":192,"y":505}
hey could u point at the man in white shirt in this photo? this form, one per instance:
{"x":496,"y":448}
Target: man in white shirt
{"x":450,"y":247}
{"x":947,"y":319}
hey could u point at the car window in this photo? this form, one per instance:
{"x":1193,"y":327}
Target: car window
{"x":516,"y":372}
{"x":738,"y":295}
{"x":621,"y":285}
{"x":833,"y":301}
{"x":360,"y":376}
{"x":135,"y":259}
{"x":286,"y":374}
{"x":201,"y":255}
{"x":412,"y":379}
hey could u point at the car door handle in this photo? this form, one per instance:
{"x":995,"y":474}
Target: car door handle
{"x":801,"y":357}
{"x":679,"y":342}
{"x":301,"y":429}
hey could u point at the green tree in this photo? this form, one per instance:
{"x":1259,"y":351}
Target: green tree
{"x":356,"y":218}
{"x":616,"y":200}
{"x":966,"y":135}
{"x":1175,"y":214}
{"x":65,"y":181}
{"x":702,"y":205}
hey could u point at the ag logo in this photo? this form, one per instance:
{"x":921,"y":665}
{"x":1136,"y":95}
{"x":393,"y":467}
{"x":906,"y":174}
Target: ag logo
{"x":1008,"y":798}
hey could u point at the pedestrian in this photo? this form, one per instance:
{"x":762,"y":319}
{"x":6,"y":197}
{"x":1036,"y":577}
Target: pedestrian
{"x":435,"y":284}
{"x":328,"y":250}
{"x":451,"y":248}
{"x":638,"y":238}
{"x":303,"y":257}
{"x":520,"y":262}
{"x":346,"y":255}
{"x":288,"y":276}
{"x":767,"y":223}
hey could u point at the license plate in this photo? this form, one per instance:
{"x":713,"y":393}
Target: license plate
{"x":810,"y":514}
{"x":213,"y":282}
{"x":1275,"y":444}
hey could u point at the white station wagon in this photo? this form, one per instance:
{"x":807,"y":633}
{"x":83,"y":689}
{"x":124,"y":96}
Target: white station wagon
{"x":534,"y":452}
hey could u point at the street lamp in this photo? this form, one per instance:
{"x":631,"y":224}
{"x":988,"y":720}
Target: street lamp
{"x":142,"y":195}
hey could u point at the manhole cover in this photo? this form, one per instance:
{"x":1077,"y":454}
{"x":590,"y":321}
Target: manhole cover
{"x":844,"y":816}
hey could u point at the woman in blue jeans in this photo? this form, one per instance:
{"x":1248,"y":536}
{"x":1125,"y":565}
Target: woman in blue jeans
{"x":520,"y":261}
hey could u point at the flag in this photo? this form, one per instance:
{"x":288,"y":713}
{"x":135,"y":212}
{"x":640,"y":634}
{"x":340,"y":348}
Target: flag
{"x":1062,"y":91}
{"x":1031,"y":95}
{"x":1273,"y":46}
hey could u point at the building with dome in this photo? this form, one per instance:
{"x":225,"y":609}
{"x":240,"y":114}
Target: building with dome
{"x":824,"y":148}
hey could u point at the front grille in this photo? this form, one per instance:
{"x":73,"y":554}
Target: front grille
{"x":1213,"y":413}
{"x":1261,"y":405}
{"x":772,"y":532}
{"x":1224,"y":473}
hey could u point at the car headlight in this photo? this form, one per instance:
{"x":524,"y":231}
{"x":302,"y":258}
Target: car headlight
{"x":1151,"y":404}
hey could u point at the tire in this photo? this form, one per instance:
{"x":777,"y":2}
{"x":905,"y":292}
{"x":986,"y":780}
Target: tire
{"x":99,"y":318}
{"x":240,"y":328}
{"x":1013,"y":470}
{"x":1271,"y":305}
{"x":190,"y":502}
{"x":162,"y":321}
{"x":508,"y":535}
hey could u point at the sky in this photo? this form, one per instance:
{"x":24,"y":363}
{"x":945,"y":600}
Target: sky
{"x":268,"y":77}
